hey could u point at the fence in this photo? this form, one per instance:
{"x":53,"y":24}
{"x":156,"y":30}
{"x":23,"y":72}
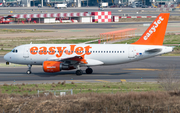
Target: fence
{"x":61,"y":92}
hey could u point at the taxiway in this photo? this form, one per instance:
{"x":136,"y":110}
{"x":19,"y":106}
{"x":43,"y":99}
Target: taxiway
{"x":147,"y":70}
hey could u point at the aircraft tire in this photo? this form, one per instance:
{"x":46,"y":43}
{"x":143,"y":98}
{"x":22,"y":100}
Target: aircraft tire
{"x":79,"y":72}
{"x":28,"y":72}
{"x":89,"y":71}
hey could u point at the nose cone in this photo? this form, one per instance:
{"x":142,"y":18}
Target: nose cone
{"x":7,"y":57}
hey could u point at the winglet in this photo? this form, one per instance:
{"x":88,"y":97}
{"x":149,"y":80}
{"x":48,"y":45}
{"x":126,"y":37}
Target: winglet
{"x":154,"y":35}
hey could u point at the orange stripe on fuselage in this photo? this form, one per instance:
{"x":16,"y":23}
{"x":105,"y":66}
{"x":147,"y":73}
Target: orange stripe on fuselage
{"x":61,"y":50}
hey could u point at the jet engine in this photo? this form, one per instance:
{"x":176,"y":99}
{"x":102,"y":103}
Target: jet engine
{"x":56,"y":66}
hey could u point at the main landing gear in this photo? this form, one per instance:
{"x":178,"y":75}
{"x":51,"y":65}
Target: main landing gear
{"x":29,"y":69}
{"x":89,"y":70}
{"x":80,"y":72}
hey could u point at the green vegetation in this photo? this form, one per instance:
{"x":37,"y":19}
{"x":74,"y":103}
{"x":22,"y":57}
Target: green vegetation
{"x":7,"y":44}
{"x":3,"y":52}
{"x":169,"y":39}
{"x":129,"y":41}
{"x":7,"y":31}
{"x":81,"y":87}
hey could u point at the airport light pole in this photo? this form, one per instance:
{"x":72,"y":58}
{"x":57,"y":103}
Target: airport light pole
{"x":41,"y":3}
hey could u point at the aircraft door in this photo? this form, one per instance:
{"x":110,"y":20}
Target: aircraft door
{"x":26,"y":52}
{"x":131,"y":52}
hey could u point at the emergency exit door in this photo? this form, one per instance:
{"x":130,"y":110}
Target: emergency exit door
{"x":131,"y":53}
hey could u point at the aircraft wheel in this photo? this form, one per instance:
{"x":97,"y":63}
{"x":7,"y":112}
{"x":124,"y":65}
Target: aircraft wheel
{"x":89,"y":71}
{"x":28,"y":72}
{"x":79,"y":72}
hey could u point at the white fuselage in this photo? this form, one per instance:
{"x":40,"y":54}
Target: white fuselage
{"x":96,"y":54}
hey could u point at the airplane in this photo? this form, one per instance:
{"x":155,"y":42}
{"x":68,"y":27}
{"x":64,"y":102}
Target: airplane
{"x":58,"y":57}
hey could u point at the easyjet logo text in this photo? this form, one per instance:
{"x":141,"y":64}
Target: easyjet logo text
{"x":153,"y":28}
{"x":59,"y":51}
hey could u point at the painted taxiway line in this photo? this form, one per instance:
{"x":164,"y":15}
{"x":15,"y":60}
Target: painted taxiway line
{"x":24,"y":66}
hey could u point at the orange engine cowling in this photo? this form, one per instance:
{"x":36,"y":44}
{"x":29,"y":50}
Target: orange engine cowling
{"x":55,"y":66}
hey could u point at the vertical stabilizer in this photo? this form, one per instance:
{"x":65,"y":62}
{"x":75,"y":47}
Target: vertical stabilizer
{"x":154,"y":35}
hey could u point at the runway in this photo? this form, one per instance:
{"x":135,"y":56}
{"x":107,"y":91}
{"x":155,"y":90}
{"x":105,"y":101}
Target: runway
{"x":147,"y":70}
{"x":75,"y":26}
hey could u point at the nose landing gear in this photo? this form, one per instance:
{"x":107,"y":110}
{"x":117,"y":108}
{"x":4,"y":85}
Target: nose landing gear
{"x":29,"y":70}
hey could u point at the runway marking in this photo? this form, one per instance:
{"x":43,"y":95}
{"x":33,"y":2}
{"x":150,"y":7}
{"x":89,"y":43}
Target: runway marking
{"x":123,"y":80}
{"x":101,"y":80}
{"x":143,"y":69}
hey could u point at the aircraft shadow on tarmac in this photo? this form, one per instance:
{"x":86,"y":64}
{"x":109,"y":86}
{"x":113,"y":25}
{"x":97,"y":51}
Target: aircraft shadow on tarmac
{"x":65,"y":73}
{"x":73,"y":74}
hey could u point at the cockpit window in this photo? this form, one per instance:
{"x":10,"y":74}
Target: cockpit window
{"x":14,"y":51}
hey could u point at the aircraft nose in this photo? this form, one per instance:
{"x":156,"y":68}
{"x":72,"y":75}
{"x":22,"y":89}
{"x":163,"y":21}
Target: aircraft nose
{"x":7,"y":57}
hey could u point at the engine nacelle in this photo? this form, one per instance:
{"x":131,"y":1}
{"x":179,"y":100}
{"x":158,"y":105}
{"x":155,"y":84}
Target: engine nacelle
{"x":55,"y":66}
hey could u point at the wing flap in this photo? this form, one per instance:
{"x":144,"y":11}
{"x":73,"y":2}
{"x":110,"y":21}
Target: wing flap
{"x":73,"y":58}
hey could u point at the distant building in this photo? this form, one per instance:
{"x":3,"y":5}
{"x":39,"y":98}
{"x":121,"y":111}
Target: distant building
{"x":82,"y":3}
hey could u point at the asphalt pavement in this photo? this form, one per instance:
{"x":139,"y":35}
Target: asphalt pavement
{"x":148,"y":70}
{"x":114,"y":11}
{"x":75,"y":25}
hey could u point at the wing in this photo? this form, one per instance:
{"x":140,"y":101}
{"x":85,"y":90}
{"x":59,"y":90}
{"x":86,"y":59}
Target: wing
{"x":70,"y":60}
{"x":74,"y":60}
{"x":79,"y":59}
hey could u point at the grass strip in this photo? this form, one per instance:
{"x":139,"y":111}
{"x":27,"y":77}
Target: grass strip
{"x":7,"y":31}
{"x":81,"y":87}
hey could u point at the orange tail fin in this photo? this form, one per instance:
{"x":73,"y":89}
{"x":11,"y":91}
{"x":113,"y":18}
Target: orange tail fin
{"x":154,"y":35}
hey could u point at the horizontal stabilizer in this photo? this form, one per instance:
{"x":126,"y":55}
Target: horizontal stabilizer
{"x":153,"y":50}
